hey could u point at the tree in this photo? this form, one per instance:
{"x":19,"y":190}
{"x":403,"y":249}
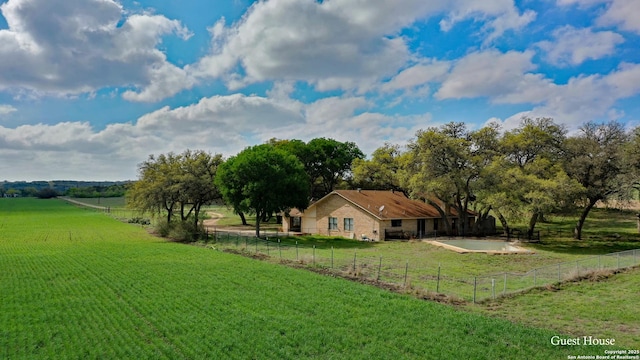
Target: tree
{"x":46,"y":193}
{"x":329,"y":162}
{"x":531,"y":179}
{"x":196,"y":178}
{"x":632,"y":160}
{"x":443,"y":167}
{"x":595,"y":159}
{"x":381,"y":172}
{"x":176,"y":184}
{"x":157,"y":188}
{"x":263,"y":180}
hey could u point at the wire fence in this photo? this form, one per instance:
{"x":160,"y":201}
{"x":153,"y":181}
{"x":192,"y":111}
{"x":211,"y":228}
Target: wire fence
{"x":116,"y":212}
{"x":403,"y":274}
{"x":406,"y":275}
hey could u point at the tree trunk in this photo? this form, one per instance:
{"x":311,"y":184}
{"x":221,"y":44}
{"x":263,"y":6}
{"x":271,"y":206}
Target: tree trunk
{"x":577,"y":231}
{"x":505,"y":225}
{"x":532,"y":224}
{"x":258,"y":216}
{"x":478,"y":226}
{"x":443,"y":215}
{"x":244,"y":220}
{"x":196,"y":216}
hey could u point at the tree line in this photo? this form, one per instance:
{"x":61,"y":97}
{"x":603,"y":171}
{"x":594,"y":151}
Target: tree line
{"x":523,"y":173}
{"x":262,"y":180}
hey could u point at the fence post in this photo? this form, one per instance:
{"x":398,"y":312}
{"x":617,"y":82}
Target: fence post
{"x":504,"y":289}
{"x":256,"y":245}
{"x":406,"y":270}
{"x":438,"y":282}
{"x":599,"y":262}
{"x":379,"y":268}
{"x":297,"y":258}
{"x":559,"y":278}
{"x":279,"y":249}
{"x":475,"y":287}
{"x":354,"y":262}
{"x":493,"y":288}
{"x":314,"y":255}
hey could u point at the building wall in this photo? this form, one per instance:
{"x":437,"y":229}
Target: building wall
{"x":308,"y":224}
{"x":336,"y":206}
{"x":410,"y":226}
{"x":315,"y":220}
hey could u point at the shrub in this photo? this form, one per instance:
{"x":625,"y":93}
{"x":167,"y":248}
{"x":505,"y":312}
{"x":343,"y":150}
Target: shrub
{"x":185,"y":231}
{"x":46,"y":193}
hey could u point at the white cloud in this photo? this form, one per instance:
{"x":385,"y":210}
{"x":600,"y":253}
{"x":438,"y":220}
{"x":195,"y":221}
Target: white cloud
{"x":7,"y":109}
{"x":488,"y":74}
{"x":573,"y":46}
{"x":219,"y":124}
{"x":340,"y":44}
{"x":500,"y":16}
{"x":624,"y":14}
{"x":581,"y":3}
{"x":621,"y":13}
{"x":68,"y":47}
{"x":418,"y":75}
{"x":585,"y":98}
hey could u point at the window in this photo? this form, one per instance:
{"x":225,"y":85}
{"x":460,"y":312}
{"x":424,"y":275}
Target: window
{"x":348,"y":224}
{"x":333,"y":223}
{"x":396,"y":223}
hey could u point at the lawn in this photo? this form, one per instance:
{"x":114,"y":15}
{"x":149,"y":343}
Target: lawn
{"x":607,"y":308}
{"x":76,"y":284}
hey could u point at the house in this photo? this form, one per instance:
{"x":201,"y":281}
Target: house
{"x":368,"y":214}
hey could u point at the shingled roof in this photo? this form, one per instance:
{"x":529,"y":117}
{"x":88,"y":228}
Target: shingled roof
{"x":387,"y":204}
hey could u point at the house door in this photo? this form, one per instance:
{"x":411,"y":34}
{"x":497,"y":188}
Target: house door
{"x":422,"y":227}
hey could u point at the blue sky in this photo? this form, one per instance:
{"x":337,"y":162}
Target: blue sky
{"x":90,"y":88}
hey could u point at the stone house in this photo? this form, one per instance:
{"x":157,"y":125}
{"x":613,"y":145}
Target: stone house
{"x":368,"y":215}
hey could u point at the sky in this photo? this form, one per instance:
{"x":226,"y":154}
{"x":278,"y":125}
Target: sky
{"x":90,"y":88}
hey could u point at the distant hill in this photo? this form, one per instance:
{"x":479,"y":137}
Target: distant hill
{"x":62,"y":187}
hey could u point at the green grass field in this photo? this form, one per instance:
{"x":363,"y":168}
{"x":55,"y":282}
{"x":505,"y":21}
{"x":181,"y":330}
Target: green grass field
{"x":76,"y":284}
{"x":604,"y":309}
{"x":608,"y":231}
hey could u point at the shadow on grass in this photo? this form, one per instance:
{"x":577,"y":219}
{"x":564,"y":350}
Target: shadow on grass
{"x":587,"y":247}
{"x":326,"y":242}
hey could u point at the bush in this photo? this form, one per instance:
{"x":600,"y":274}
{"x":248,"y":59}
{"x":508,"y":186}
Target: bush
{"x":163,"y":229}
{"x":185,"y":231}
{"x":46,"y":193}
{"x":139,"y":220}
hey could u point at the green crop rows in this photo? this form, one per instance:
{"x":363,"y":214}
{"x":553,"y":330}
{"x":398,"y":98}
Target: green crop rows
{"x":76,"y":284}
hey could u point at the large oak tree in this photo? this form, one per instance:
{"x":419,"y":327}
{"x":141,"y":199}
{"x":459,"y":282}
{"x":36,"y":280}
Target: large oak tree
{"x":595,"y":158}
{"x":262,"y":180}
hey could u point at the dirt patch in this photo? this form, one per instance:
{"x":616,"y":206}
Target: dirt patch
{"x":213,"y":220}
